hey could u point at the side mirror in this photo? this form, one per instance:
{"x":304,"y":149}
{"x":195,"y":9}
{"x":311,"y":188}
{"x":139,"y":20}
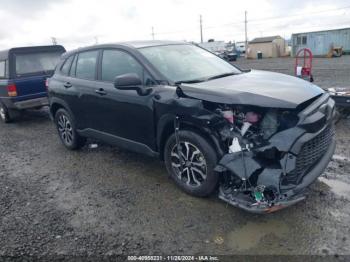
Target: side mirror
{"x":129,"y":81}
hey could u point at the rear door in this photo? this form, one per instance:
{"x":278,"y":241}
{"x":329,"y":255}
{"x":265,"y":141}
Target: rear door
{"x":81,"y":86}
{"x":30,"y":70}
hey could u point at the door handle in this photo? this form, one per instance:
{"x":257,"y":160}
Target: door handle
{"x":67,"y":85}
{"x":101,"y":91}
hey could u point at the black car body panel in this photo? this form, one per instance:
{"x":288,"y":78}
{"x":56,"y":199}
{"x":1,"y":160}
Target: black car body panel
{"x":265,"y":164}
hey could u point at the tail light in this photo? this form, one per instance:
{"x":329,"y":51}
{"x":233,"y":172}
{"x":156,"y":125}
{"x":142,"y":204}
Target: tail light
{"x":47,"y":83}
{"x":11,"y":90}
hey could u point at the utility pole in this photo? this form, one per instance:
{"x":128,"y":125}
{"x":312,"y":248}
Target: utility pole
{"x":201,"y":27}
{"x":246,"y":33}
{"x":152,"y":33}
{"x":54,"y":40}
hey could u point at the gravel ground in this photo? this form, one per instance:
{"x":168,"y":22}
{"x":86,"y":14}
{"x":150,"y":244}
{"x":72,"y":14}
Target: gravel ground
{"x":107,"y":201}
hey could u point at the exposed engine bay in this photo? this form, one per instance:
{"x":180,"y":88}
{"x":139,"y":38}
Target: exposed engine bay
{"x":269,"y":155}
{"x":249,"y":129}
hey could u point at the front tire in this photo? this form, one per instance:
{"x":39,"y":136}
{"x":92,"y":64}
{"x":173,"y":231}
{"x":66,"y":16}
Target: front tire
{"x":66,"y":130}
{"x":192,"y":166}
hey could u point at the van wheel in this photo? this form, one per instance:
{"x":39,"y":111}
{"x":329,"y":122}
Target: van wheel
{"x":192,"y":165}
{"x":67,"y":132}
{"x":4,"y":114}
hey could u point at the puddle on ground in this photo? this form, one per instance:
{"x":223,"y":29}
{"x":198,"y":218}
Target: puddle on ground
{"x":251,"y":233}
{"x":338,"y":187}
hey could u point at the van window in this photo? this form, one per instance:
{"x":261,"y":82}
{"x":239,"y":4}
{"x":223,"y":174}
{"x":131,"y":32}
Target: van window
{"x":66,"y":66}
{"x":2,"y":69}
{"x":86,"y":65}
{"x":36,"y":62}
{"x":115,"y":63}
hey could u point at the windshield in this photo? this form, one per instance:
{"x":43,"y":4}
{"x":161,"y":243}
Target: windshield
{"x":36,"y":62}
{"x":187,"y":63}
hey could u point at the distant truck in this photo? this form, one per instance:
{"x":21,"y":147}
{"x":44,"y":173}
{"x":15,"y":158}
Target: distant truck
{"x":221,"y":49}
{"x":240,"y":46}
{"x":214,"y":46}
{"x":23,"y":74}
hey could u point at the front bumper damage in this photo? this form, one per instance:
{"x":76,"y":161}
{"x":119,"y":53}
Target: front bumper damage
{"x":286,"y":197}
{"x":299,"y":155}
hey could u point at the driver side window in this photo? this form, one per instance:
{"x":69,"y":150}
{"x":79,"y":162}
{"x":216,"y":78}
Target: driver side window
{"x":115,"y":63}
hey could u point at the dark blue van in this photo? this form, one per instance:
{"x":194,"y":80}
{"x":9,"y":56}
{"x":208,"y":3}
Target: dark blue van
{"x":23,"y":74}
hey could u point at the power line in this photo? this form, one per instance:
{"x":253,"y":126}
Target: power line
{"x":237,"y":22}
{"x":277,"y":17}
{"x":299,"y":29}
{"x":54,"y":40}
{"x":309,"y":13}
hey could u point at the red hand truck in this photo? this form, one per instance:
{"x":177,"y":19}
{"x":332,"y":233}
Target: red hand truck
{"x":303,"y":64}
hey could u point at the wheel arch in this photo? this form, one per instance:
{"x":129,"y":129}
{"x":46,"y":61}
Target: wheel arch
{"x":166,"y":128}
{"x":56,"y":104}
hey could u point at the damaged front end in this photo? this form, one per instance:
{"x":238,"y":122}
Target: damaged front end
{"x":268,"y":155}
{"x":273,"y":155}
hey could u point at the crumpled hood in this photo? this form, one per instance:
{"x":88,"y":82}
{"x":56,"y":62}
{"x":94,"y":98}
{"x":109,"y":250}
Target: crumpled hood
{"x":256,"y":88}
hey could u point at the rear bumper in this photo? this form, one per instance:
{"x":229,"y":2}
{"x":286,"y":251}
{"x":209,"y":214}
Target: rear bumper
{"x":11,"y":103}
{"x":37,"y":102}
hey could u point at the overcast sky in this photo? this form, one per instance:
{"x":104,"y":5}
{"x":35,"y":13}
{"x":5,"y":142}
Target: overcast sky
{"x":76,"y":23}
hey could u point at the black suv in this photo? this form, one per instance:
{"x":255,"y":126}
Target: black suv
{"x":258,"y":138}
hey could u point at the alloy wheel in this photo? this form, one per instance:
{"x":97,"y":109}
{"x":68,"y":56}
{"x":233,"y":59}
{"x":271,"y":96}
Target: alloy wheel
{"x":65,"y":129}
{"x":189,"y":164}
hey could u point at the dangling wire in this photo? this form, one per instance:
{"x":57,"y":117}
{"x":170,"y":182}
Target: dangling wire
{"x":177,"y":139}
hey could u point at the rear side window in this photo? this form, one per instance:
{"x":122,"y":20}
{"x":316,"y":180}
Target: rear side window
{"x":115,"y":63}
{"x":66,"y":66}
{"x":86,"y":65}
{"x":2,"y":69}
{"x":36,"y":62}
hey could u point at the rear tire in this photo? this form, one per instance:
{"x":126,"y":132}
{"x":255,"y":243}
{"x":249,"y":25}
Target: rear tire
{"x":4,"y":114}
{"x":66,"y":130}
{"x":193,"y":171}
